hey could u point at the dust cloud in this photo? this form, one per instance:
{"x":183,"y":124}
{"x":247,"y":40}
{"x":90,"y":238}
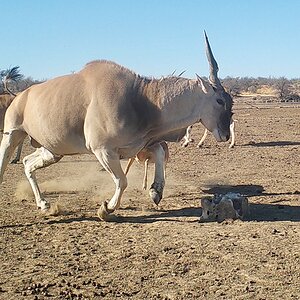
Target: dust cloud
{"x":74,"y":177}
{"x":87,"y":176}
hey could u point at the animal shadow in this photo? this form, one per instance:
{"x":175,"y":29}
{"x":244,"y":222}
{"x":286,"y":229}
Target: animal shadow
{"x":245,"y":190}
{"x":273,"y":144}
{"x":274,"y":212}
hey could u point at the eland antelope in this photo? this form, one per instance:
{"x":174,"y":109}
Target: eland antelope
{"x":112,"y":112}
{"x":187,"y":138}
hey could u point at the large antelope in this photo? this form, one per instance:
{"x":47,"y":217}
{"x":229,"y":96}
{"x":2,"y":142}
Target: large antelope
{"x":110,"y":111}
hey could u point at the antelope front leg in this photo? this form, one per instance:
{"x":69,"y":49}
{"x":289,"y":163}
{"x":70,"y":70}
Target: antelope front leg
{"x":18,"y":154}
{"x":129,"y":163}
{"x":187,"y":138}
{"x":157,"y":187}
{"x":232,"y":133}
{"x":145,"y":180}
{"x":111,"y":163}
{"x":203,"y":138}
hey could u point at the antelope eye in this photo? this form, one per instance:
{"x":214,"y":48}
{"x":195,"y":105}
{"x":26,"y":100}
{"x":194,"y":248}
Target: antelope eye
{"x":220,"y":101}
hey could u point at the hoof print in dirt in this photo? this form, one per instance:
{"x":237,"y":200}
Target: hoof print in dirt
{"x":230,"y":206}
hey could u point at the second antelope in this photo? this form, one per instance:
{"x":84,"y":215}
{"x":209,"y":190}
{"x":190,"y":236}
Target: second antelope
{"x":188,"y":139}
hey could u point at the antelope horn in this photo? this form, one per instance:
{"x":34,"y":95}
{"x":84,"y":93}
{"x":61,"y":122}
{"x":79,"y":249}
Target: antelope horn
{"x":181,"y":73}
{"x":173,"y":73}
{"x":213,"y":66}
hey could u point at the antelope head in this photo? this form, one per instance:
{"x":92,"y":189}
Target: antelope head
{"x":217,"y":109}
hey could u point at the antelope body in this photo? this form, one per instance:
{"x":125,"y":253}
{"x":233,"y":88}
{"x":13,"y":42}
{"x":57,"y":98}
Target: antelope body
{"x":110,"y":111}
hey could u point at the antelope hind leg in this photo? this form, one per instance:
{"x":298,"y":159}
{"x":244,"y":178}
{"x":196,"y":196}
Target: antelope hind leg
{"x":41,"y":158}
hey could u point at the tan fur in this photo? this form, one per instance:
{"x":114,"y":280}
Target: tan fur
{"x":114,"y":113}
{"x":69,"y":110}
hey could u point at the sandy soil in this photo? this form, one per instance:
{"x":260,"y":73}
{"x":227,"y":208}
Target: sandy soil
{"x":162,"y":253}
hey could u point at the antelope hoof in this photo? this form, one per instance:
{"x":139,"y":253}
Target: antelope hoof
{"x":44,"y":206}
{"x":14,"y":161}
{"x":103,"y":212}
{"x":156,"y":194}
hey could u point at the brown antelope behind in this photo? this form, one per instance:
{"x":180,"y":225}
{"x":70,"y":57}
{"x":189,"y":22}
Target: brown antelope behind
{"x":7,"y":98}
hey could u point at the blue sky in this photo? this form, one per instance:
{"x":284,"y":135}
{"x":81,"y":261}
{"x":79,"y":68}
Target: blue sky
{"x":48,"y":38}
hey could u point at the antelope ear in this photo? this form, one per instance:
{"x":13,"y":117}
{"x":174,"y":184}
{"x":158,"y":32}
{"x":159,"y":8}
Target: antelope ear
{"x":205,"y":86}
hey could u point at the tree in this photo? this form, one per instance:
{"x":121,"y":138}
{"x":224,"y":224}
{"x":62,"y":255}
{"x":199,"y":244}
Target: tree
{"x":10,"y":75}
{"x":232,"y":85}
{"x":283,"y":87}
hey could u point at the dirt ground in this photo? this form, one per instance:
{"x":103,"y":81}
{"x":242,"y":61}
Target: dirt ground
{"x":162,"y":253}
